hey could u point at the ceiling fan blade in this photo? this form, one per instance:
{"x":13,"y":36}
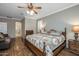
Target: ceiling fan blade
{"x":30,"y":5}
{"x":35,"y":12}
{"x":8,"y":16}
{"x":38,"y":7}
{"x":20,"y":7}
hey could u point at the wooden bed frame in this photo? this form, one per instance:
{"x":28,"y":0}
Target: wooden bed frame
{"x":38,"y":52}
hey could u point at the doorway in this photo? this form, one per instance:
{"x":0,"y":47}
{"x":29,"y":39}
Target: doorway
{"x":18,"y":29}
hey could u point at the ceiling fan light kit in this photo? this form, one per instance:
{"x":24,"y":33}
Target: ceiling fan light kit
{"x":31,"y":12}
{"x":27,"y":12}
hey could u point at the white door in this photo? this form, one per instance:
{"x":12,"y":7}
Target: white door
{"x":18,"y":26}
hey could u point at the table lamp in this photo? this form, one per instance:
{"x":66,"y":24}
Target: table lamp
{"x":75,"y":29}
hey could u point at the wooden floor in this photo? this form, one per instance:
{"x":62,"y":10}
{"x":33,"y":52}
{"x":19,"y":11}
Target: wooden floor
{"x":66,"y":52}
{"x":19,"y":49}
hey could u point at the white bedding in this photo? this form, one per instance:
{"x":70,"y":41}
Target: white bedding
{"x":52,"y":42}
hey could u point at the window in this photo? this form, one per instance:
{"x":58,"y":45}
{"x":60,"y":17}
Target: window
{"x":3,"y":27}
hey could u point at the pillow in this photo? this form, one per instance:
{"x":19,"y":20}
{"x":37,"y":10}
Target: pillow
{"x":1,"y":37}
{"x":44,"y":33}
{"x":7,"y":40}
{"x":54,"y":33}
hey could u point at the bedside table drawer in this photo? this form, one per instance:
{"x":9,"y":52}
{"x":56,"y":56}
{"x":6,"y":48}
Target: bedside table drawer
{"x":77,"y":43}
{"x":73,"y":47}
{"x":72,"y":43}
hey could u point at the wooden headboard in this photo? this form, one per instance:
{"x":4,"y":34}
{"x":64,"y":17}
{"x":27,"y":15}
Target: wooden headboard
{"x":63,"y":33}
{"x":29,"y":32}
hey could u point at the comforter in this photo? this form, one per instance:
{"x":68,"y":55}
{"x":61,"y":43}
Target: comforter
{"x":51,"y":42}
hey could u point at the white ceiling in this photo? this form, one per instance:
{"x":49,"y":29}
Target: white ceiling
{"x":11,"y":10}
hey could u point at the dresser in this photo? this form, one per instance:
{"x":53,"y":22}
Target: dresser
{"x":73,"y":46}
{"x":29,"y":32}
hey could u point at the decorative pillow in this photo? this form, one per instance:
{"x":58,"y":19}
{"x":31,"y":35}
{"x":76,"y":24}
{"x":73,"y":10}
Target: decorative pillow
{"x":1,"y":37}
{"x":7,"y":40}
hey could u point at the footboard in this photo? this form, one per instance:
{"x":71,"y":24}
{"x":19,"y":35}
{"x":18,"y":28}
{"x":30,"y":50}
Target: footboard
{"x":38,"y":52}
{"x":58,"y":49}
{"x":34,"y":49}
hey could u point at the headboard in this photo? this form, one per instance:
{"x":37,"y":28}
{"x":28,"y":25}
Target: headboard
{"x":29,"y":32}
{"x":63,"y":33}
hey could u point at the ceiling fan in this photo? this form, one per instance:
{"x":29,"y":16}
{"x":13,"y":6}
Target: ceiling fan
{"x":31,"y":9}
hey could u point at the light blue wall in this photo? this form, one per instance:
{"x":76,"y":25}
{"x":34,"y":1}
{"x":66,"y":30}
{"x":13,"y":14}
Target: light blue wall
{"x":65,"y":18}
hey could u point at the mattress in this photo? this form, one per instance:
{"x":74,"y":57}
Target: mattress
{"x":51,"y":42}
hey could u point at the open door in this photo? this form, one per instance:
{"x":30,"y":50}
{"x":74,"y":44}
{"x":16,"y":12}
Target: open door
{"x":18,"y":26}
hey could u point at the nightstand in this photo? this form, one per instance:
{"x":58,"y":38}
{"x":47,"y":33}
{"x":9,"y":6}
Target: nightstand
{"x":73,"y":46}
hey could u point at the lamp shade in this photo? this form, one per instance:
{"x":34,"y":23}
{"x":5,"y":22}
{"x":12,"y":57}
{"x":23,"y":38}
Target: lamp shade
{"x":75,"y":28}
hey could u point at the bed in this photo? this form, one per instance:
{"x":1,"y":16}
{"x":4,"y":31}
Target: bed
{"x":43,"y":44}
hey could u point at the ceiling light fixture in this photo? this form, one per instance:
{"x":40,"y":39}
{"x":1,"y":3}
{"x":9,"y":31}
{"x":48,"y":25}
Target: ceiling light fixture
{"x":31,"y":12}
{"x":31,"y":9}
{"x":27,"y":12}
